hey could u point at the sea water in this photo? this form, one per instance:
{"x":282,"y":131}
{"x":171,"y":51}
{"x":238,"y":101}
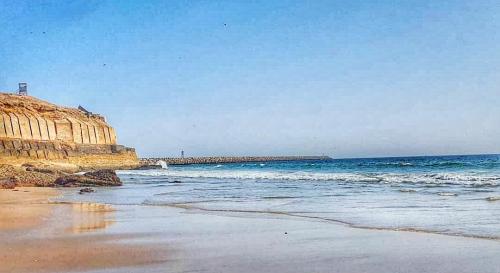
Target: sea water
{"x":455,"y":195}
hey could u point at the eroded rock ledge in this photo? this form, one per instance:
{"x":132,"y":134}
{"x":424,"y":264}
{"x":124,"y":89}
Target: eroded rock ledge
{"x":45,"y":176}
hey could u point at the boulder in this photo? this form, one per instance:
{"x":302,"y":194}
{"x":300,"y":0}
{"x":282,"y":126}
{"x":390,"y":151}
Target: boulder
{"x":86,"y":190}
{"x":107,"y":175}
{"x":96,"y":178}
{"x":148,"y":167}
{"x":8,"y":183}
{"x":25,"y":178}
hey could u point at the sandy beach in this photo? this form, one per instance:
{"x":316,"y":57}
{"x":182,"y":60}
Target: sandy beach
{"x":249,"y":136}
{"x":40,"y":234}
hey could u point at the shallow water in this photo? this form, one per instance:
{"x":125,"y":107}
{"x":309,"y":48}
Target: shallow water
{"x":456,"y":195}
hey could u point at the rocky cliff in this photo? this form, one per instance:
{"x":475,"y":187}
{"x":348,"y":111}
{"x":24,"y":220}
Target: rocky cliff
{"x":32,"y":130}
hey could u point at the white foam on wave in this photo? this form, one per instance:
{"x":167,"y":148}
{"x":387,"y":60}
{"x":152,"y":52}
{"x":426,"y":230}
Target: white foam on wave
{"x":163,"y":164}
{"x":387,"y":178}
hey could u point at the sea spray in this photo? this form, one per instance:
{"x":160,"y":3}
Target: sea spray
{"x":163,"y":164}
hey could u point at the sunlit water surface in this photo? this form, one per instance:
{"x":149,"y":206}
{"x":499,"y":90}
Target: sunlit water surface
{"x":457,"y":195}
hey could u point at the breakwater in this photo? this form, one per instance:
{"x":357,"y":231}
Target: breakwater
{"x":225,"y":159}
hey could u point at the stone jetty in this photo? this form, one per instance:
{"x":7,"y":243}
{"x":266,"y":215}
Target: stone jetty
{"x":225,"y":159}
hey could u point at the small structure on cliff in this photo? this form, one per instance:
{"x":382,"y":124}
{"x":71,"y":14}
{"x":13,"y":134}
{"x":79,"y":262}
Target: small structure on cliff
{"x":23,"y":89}
{"x":90,"y":114}
{"x":35,"y":130}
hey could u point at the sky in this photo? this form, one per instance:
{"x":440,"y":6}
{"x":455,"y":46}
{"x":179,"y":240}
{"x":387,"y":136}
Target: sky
{"x":339,"y":78}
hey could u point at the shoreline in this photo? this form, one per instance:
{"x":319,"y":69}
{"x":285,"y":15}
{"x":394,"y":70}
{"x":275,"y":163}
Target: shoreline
{"x":82,"y":236}
{"x":45,"y":195}
{"x":328,"y":220}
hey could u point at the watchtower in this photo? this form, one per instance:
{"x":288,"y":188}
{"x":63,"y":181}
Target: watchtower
{"x":23,"y":89}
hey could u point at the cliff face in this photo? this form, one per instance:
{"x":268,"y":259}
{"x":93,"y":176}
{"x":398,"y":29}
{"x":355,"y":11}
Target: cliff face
{"x":35,"y":130}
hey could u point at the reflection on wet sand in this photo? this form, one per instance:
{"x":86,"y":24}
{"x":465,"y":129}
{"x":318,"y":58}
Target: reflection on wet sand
{"x":24,"y":208}
{"x":45,"y":236}
{"x":89,"y":217}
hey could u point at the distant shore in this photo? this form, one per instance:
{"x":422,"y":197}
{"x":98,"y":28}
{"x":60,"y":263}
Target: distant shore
{"x":225,"y":159}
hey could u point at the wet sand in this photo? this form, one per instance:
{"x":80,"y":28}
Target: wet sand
{"x":37,"y":235}
{"x":101,"y":238}
{"x":23,"y":207}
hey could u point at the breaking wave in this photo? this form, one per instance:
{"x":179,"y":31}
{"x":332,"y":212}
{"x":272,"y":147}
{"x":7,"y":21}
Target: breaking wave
{"x":472,"y":179}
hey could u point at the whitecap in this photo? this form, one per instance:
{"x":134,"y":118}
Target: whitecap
{"x":468,"y":179}
{"x":447,"y":194}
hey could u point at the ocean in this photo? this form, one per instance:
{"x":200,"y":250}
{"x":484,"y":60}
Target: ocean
{"x":454,"y":195}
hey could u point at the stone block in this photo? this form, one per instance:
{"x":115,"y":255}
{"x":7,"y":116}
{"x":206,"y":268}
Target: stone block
{"x":8,"y":145}
{"x":18,"y":144}
{"x":26,"y":145}
{"x":64,"y":131}
{"x":50,"y":146}
{"x":112,"y":135}
{"x":3,"y":130}
{"x":106,"y":135}
{"x":77,"y":130}
{"x":50,"y":155}
{"x":101,"y":139}
{"x":57,"y":146}
{"x":92,"y":134}
{"x":40,"y":154}
{"x":8,"y":125}
{"x":24,"y":126}
{"x":34,"y":145}
{"x":32,"y":154}
{"x":85,"y":134}
{"x":15,"y":126}
{"x":35,"y":128}
{"x":44,"y":131}
{"x":51,"y":128}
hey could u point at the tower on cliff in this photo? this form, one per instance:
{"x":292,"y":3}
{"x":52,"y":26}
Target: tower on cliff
{"x":23,"y":89}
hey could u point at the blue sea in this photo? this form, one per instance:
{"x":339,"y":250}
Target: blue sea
{"x":454,"y":195}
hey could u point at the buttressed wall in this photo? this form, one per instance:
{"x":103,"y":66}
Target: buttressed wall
{"x":32,"y":129}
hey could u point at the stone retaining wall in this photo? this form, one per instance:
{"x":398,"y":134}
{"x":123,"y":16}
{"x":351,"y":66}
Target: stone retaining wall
{"x":86,"y":156}
{"x":33,"y":130}
{"x":71,"y":130}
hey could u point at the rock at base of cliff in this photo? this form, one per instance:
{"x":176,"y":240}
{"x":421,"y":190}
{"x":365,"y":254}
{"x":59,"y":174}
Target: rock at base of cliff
{"x":26,"y":176}
{"x":97,"y":178}
{"x":8,"y":183}
{"x":86,"y":190}
{"x":148,"y":167}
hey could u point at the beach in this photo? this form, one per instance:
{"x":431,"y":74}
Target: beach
{"x":38,"y":235}
{"x":46,"y":234}
{"x":249,"y":136}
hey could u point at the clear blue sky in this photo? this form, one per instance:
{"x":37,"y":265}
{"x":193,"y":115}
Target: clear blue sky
{"x":342,"y":78}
